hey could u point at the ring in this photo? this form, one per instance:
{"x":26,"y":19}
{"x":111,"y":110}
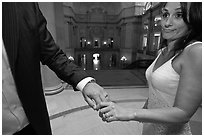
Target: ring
{"x":106,"y":116}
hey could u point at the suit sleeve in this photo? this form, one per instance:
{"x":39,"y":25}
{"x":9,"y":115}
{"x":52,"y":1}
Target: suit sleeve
{"x":52,"y":56}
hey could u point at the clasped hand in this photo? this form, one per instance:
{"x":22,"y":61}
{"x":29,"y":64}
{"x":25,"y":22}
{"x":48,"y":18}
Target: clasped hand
{"x":94,"y":95}
{"x":98,"y":99}
{"x":110,"y":111}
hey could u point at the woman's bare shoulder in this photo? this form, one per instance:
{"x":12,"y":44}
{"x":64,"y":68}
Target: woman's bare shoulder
{"x":194,"y":50}
{"x":192,"y":54}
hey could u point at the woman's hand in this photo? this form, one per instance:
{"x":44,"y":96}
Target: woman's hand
{"x":112,"y":112}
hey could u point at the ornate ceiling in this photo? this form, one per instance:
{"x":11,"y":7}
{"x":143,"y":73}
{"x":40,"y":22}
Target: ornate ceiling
{"x":111,"y":8}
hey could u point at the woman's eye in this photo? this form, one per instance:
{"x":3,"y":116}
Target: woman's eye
{"x":178,"y":15}
{"x":165,"y":15}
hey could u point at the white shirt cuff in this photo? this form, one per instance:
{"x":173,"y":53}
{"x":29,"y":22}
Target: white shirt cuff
{"x":80,"y":86}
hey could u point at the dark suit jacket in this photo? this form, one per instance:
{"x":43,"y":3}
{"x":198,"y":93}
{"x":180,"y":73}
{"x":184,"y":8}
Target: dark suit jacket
{"x":27,"y":42}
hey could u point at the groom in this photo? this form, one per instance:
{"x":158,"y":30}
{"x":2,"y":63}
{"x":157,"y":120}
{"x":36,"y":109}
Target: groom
{"x":26,"y":43}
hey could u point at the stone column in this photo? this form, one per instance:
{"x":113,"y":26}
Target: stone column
{"x":70,"y":33}
{"x":129,"y":37}
{"x":51,"y":83}
{"x":123,"y":35}
{"x":67,"y":39}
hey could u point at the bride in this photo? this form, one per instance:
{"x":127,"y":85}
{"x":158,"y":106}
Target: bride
{"x":174,"y":78}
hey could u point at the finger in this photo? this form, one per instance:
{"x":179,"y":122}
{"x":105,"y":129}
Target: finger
{"x":110,"y":119}
{"x":91,"y":103}
{"x":102,"y":116}
{"x":103,"y":96}
{"x":98,"y":102}
{"x":105,"y":104}
{"x":105,"y":109}
{"x":108,"y":114}
{"x":104,"y":119}
{"x":107,"y":98}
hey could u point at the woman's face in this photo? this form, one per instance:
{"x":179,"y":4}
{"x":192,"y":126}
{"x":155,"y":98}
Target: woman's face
{"x":173,"y":26}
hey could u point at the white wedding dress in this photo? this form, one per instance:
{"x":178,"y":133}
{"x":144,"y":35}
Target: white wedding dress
{"x":163,"y":84}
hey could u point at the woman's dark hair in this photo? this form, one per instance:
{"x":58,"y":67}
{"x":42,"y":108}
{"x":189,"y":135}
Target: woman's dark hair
{"x":195,"y":20}
{"x":194,"y":25}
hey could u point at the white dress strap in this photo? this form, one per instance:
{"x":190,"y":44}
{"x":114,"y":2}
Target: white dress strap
{"x":191,"y":44}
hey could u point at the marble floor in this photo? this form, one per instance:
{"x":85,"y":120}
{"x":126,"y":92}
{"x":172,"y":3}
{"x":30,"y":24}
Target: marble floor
{"x":70,"y":114}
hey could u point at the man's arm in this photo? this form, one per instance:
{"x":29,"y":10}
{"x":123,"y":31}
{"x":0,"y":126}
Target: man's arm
{"x":56,"y":60}
{"x":52,"y":56}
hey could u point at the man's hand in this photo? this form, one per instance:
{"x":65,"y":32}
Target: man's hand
{"x":94,"y":95}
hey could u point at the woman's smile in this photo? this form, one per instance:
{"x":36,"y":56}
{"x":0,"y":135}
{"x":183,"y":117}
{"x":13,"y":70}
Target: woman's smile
{"x":169,"y":30}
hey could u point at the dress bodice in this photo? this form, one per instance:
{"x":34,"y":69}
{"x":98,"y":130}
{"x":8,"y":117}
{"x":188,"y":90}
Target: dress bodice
{"x":163,"y":84}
